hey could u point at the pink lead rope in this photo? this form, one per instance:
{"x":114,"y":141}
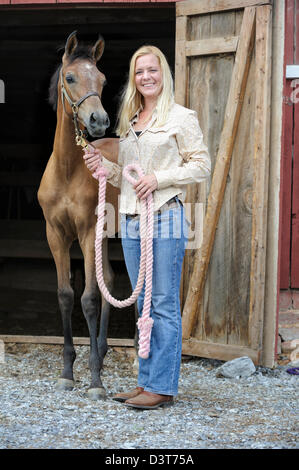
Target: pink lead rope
{"x":145,"y":322}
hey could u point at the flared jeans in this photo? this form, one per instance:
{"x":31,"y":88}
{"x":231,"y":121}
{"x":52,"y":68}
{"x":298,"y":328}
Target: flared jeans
{"x":160,"y":372}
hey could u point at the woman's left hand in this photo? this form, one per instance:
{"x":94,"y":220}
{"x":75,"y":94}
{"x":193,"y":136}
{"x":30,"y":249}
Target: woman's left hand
{"x":145,"y":185}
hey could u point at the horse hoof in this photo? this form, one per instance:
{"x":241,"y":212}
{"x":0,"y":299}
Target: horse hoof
{"x":65,"y":384}
{"x":96,"y":393}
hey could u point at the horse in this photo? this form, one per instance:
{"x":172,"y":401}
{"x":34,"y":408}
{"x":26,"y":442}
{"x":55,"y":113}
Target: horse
{"x":68,"y":198}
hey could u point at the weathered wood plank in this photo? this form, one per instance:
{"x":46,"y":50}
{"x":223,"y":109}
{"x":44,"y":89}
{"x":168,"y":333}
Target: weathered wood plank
{"x":199,"y":100}
{"x":126,"y":342}
{"x":214,"y":308}
{"x":181,"y":62}
{"x":212,"y":46}
{"x":238,"y":21}
{"x":240,"y":182}
{"x":223,"y":352}
{"x":232,"y":115}
{"x":271,"y":307}
{"x":261,"y":173}
{"x":198,"y":7}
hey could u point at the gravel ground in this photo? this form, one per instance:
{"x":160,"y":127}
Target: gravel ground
{"x":210,"y":412}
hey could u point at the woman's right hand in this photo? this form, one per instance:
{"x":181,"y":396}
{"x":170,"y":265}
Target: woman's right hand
{"x":92,"y":158}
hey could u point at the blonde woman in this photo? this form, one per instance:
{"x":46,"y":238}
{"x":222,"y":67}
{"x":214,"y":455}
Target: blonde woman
{"x":166,"y":140}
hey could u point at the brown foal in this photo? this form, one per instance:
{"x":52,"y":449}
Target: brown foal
{"x":68,"y":197}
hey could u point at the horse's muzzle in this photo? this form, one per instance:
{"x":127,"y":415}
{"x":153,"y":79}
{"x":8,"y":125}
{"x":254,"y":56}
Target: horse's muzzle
{"x":98,"y":123}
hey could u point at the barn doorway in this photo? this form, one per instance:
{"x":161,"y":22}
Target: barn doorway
{"x":30,"y":40}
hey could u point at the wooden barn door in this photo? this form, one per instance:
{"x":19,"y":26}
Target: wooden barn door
{"x":223,"y":71}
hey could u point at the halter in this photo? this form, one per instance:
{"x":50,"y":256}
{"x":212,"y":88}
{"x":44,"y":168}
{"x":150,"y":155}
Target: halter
{"x":80,"y":135}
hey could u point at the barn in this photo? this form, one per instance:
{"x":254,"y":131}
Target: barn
{"x":229,"y":60}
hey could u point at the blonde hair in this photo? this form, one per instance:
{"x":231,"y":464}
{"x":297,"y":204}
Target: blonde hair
{"x":132,"y":100}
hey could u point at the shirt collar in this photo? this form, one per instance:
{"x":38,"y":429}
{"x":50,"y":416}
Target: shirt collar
{"x":136,"y":118}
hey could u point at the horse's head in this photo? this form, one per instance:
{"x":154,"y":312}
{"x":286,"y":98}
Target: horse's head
{"x":83,"y":84}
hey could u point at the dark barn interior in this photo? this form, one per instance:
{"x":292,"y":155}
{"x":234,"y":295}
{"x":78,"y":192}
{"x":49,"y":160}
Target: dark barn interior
{"x":31,"y":47}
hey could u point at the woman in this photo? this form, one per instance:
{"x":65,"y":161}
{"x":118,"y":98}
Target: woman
{"x":166,"y":140}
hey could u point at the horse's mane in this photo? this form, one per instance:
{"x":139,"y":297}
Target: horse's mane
{"x":53,"y":94}
{"x":81,"y":52}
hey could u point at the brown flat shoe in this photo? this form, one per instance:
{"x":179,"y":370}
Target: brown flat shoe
{"x":122,"y":397}
{"x":149,"y":401}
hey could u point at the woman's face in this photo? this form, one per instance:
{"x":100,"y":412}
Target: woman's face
{"x":148,"y":76}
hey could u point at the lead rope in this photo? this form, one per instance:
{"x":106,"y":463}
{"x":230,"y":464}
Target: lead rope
{"x":145,"y":322}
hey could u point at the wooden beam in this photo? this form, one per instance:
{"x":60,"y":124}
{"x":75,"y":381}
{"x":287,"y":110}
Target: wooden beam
{"x":181,"y":74}
{"x":198,"y":7}
{"x":231,"y":120}
{"x":212,"y":46}
{"x":223,"y":352}
{"x":271,"y":309}
{"x":263,"y":58}
{"x":125,"y":342}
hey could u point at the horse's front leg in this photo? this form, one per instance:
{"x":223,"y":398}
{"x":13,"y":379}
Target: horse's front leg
{"x":90,"y":305}
{"x":60,"y":251}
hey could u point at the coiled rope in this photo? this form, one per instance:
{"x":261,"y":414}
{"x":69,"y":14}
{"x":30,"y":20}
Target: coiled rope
{"x":145,"y":322}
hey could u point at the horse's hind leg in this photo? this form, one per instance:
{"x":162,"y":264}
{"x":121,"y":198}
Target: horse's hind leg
{"x":90,"y":306}
{"x":60,"y":252}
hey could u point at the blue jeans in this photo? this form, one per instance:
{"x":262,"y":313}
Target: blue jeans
{"x":160,"y":372}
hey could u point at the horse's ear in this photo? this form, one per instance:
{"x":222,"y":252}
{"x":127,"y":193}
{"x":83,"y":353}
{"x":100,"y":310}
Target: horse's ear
{"x":71,"y":43}
{"x":98,"y":49}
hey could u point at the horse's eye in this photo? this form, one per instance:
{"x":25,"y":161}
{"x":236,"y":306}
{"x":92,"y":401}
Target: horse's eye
{"x":69,"y":79}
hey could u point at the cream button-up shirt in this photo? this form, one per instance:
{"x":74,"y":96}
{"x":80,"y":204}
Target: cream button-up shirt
{"x":175,"y":153}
